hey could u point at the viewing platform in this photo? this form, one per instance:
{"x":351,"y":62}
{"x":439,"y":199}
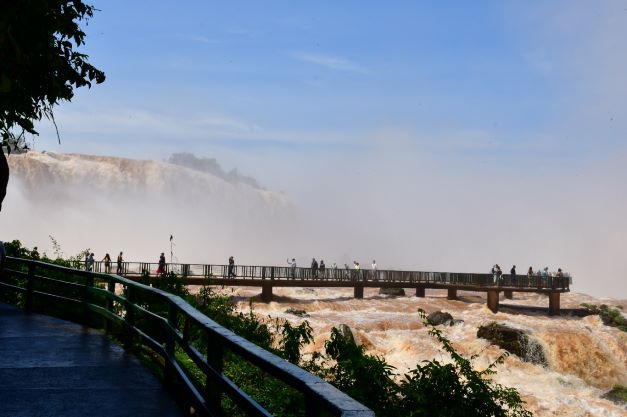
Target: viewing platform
{"x":268,"y":277}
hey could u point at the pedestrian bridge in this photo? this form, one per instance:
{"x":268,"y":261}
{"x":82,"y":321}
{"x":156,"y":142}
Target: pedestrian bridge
{"x":268,"y":277}
{"x":52,"y":367}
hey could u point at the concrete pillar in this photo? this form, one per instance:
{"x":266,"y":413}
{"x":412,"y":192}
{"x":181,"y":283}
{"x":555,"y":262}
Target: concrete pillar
{"x":420,"y":292}
{"x":509,"y":294}
{"x":554,"y":304}
{"x":359,"y":291}
{"x":493,"y":301}
{"x":266,"y":292}
{"x":452,"y":294}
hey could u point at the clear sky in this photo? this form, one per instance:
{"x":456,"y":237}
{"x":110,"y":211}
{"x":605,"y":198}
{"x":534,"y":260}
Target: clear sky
{"x":478,"y":79}
{"x":512,"y":103}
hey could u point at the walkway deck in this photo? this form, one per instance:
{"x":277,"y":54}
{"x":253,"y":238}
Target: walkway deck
{"x":50,"y":367}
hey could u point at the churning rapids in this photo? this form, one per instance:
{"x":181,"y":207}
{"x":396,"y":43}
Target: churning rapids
{"x":585,"y":357}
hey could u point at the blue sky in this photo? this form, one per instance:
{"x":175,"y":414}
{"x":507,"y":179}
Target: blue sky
{"x":474,"y":80}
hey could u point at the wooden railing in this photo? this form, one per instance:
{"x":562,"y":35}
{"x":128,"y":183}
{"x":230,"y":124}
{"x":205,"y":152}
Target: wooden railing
{"x":163,"y":322}
{"x":280,"y":273}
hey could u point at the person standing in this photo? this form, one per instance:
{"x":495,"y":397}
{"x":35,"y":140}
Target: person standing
{"x":90,"y":262}
{"x":375,"y":276}
{"x":322,"y":268}
{"x":530,"y":276}
{"x":292,"y":267}
{"x":107,"y":263}
{"x":512,"y":273}
{"x":314,"y":268}
{"x":161,"y":267}
{"x":499,"y":274}
{"x":231,"y":267}
{"x":120,"y":260}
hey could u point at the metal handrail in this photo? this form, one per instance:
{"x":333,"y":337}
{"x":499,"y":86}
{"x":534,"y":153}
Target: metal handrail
{"x":379,"y":276}
{"x":123,"y":302}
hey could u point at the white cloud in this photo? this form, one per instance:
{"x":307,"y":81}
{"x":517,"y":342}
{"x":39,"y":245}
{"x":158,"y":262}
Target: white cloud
{"x":331,"y":62}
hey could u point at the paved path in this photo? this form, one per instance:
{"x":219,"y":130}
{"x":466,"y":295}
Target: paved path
{"x":51,"y":367}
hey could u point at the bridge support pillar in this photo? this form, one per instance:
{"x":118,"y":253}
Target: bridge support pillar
{"x":359,"y":291}
{"x":493,"y":301}
{"x":509,"y":294}
{"x":266,"y":292}
{"x":554,"y":304}
{"x":452,"y":294}
{"x":420,"y":292}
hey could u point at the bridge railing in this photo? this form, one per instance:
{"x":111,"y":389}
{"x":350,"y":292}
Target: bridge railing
{"x":332,"y":274}
{"x":163,"y":322}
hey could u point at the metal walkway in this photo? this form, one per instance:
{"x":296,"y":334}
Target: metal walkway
{"x":51,"y":367}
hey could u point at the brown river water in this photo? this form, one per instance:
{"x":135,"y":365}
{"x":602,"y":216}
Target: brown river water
{"x":585,"y":357}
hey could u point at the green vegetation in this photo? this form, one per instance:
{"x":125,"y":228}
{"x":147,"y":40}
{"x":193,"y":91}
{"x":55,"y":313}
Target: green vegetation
{"x":40,"y":65}
{"x":618,"y":394}
{"x":610,"y":316}
{"x":432,"y":388}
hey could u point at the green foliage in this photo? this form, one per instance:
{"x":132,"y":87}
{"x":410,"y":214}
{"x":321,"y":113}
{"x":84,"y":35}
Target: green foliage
{"x":617,"y":394}
{"x":293,"y":338}
{"x":171,"y":283}
{"x":40,"y":65}
{"x":610,"y":316}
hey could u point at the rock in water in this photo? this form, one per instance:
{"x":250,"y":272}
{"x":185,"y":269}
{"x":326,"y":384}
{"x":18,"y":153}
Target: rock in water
{"x":299,"y":313}
{"x":346,"y":333}
{"x":438,"y":317}
{"x":391,"y":291}
{"x":515,"y":341}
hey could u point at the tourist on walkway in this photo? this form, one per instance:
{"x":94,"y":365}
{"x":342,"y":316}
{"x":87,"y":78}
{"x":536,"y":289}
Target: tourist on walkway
{"x":314,"y":268}
{"x":356,"y":268}
{"x":530,"y":275}
{"x":90,"y":262}
{"x":120,"y":260}
{"x":107,"y":263}
{"x":499,"y":274}
{"x":231,"y":267}
{"x":322,"y":269}
{"x":375,"y":276}
{"x":512,"y":273}
{"x":161,"y":267}
{"x":292,"y":265}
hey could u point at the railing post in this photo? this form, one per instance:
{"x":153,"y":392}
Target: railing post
{"x":89,"y":284}
{"x":111,"y":289}
{"x":30,"y":287}
{"x":213,"y":392}
{"x":129,"y":318}
{"x":170,"y":344}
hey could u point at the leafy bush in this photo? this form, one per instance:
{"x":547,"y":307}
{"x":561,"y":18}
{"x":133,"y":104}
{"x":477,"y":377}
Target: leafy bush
{"x":610,"y":316}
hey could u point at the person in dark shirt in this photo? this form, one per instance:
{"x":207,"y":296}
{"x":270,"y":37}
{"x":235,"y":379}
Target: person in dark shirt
{"x":231,"y":267}
{"x":314,"y":268}
{"x":513,"y":275}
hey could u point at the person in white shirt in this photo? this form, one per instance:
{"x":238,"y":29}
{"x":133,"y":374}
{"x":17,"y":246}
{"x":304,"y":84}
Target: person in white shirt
{"x":375,"y":276}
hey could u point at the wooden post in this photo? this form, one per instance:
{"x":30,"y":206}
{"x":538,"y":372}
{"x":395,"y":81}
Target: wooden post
{"x":30,"y":285}
{"x":89,"y":284}
{"x":554,"y":304}
{"x":509,"y":294}
{"x":111,"y":289}
{"x":266,"y":291}
{"x":359,"y":291}
{"x":129,"y":318}
{"x":493,"y":300}
{"x":420,"y":292}
{"x":452,"y":294}
{"x":170,"y":342}
{"x":213,"y":392}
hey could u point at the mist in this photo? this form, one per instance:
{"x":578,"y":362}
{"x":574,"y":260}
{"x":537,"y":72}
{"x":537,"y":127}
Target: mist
{"x":392,"y":204}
